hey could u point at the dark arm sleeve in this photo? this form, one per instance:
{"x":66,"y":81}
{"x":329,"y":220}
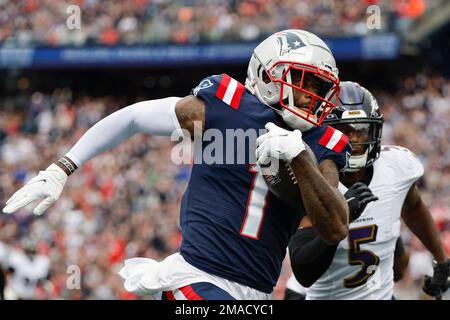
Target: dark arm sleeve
{"x":310,"y":256}
{"x":399,"y":248}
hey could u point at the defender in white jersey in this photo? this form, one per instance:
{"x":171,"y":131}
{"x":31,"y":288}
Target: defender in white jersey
{"x":295,"y":291}
{"x":361,"y":266}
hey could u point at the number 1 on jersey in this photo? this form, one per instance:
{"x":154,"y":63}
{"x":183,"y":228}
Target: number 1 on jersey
{"x":256,"y":205}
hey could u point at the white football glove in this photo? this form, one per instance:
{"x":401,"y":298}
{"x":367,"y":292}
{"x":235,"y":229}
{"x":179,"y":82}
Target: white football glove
{"x":47,"y":184}
{"x":278,"y":143}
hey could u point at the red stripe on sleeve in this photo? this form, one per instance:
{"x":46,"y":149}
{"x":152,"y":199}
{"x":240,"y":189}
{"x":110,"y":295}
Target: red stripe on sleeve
{"x":223,"y":85}
{"x":190,"y":294}
{"x":237,"y":96}
{"x":341,"y":144}
{"x":326,"y":136}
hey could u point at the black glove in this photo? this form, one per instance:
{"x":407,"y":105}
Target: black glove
{"x":358,"y":196}
{"x":435,"y":286}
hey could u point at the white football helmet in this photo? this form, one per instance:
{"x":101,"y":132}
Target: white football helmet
{"x":270,"y":71}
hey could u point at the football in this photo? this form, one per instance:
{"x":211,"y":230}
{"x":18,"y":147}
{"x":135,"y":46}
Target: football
{"x":283,"y":183}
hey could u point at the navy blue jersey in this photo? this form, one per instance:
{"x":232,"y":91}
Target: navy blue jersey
{"x":232,"y":226}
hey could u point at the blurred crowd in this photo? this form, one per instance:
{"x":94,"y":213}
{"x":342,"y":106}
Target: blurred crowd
{"x":25,"y":23}
{"x":418,"y":117}
{"x":122,"y":204}
{"x":125,"y":203}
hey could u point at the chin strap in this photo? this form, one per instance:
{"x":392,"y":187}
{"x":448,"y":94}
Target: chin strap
{"x":250,"y":85}
{"x":356,"y":163}
{"x":295,"y":122}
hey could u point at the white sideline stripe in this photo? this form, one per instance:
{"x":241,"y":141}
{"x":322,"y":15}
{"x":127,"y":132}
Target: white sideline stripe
{"x":334,"y":139}
{"x":229,"y":93}
{"x":179,"y":295}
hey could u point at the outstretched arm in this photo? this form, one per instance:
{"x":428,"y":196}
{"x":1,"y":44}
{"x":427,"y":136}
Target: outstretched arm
{"x":418,"y":219}
{"x":162,"y":117}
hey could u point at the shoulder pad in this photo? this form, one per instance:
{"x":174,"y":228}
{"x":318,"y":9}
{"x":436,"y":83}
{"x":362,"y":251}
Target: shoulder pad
{"x":206,"y":83}
{"x":406,"y":162}
{"x":221,"y":87}
{"x":333,"y":139}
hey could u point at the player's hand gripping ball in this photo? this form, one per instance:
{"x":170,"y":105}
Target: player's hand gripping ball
{"x":274,"y":153}
{"x":279,"y":144}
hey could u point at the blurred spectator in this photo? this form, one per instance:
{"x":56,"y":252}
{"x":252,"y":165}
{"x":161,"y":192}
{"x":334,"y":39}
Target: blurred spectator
{"x":31,"y":23}
{"x":25,"y":270}
{"x":116,"y":207}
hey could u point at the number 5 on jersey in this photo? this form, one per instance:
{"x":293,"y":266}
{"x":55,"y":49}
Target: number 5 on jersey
{"x":365,"y":258}
{"x":256,"y":205}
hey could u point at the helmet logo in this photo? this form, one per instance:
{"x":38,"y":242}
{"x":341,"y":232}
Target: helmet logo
{"x":288,"y":41}
{"x":328,"y":66}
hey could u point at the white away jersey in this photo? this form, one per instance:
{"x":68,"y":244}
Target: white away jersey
{"x":362,"y":265}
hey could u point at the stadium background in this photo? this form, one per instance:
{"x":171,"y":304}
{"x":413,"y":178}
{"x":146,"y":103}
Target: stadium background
{"x":57,"y":82}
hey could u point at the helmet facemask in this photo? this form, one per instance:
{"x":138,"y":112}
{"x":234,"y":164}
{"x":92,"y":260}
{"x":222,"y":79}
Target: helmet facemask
{"x":365,"y":137}
{"x":321,"y":86}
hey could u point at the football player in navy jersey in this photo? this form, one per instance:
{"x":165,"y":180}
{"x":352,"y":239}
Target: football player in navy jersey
{"x":235,"y":232}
